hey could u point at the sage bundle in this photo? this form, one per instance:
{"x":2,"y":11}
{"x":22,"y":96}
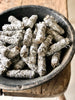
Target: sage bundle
{"x":21,"y":73}
{"x":29,"y":22}
{"x":55,"y":59}
{"x":51,"y":22}
{"x":27,"y":37}
{"x":19,"y":65}
{"x":58,"y":46}
{"x":40,"y":34}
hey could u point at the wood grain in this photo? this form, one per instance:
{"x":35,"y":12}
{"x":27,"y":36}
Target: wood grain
{"x":58,"y":5}
{"x":7,"y":4}
{"x":62,"y":97}
{"x":59,"y":83}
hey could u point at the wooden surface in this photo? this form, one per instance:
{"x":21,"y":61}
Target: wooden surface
{"x":59,"y":83}
{"x":58,"y":5}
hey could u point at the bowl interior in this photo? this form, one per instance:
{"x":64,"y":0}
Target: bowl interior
{"x":19,"y":12}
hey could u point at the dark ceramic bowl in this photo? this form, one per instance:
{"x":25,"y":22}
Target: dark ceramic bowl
{"x":19,"y":12}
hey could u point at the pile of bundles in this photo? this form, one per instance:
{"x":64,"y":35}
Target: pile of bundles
{"x":25,"y":44}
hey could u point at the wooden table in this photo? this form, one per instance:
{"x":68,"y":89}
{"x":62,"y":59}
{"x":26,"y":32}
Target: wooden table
{"x":58,"y":84}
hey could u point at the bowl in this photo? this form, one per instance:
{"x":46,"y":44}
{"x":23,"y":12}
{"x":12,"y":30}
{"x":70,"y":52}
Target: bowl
{"x":21,"y":11}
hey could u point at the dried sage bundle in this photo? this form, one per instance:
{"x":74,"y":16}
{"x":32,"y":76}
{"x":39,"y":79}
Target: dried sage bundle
{"x":21,"y":73}
{"x":55,"y":59}
{"x":50,"y":21}
{"x":29,"y":22}
{"x":58,"y":46}
{"x":19,"y":65}
{"x":40,"y":34}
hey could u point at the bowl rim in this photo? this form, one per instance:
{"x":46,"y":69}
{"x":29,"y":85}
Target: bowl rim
{"x":43,"y":79}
